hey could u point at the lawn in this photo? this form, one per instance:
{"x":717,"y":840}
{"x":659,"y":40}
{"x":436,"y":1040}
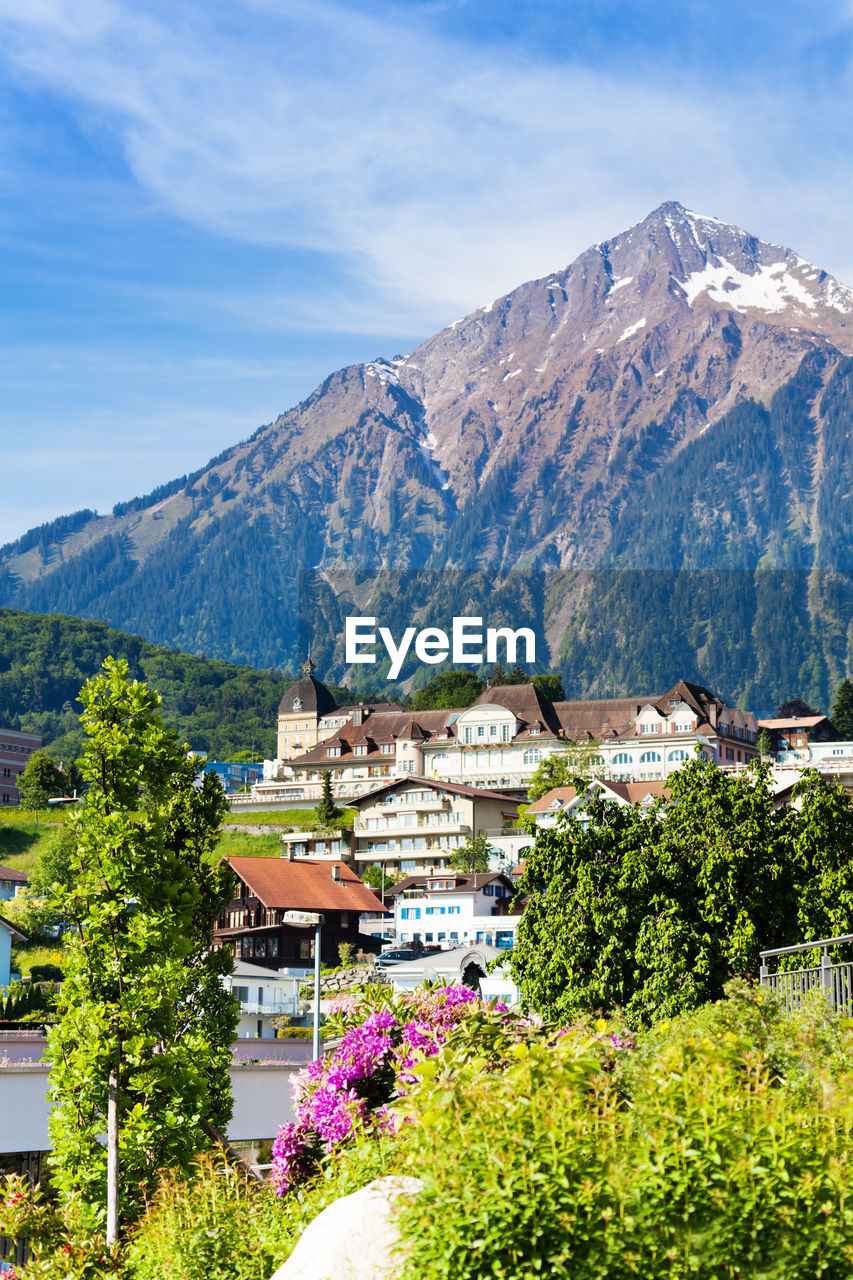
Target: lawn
{"x":305,"y":819}
{"x":21,"y":844}
{"x":239,"y":844}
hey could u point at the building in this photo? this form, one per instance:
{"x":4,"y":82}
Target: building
{"x":546,"y":811}
{"x":11,"y":883}
{"x":453,"y":909}
{"x":252,"y":924}
{"x":9,"y":933}
{"x":308,"y":714}
{"x":413,"y":824}
{"x":793,"y":737}
{"x":262,"y":995}
{"x":234,"y":774}
{"x":501,"y":739}
{"x":15,"y":751}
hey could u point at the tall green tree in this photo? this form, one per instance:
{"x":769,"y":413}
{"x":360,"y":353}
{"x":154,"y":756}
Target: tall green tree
{"x":327,"y":812}
{"x":40,"y":781}
{"x":841,"y":714}
{"x":142,"y":1048}
{"x":653,"y":911}
{"x":549,"y":685}
{"x":472,"y":856}
{"x":563,"y":768}
{"x":764,"y":743}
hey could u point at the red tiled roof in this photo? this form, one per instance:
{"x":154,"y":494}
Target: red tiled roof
{"x":304,"y":885}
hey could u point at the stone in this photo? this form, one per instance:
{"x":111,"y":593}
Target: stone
{"x":354,"y":1238}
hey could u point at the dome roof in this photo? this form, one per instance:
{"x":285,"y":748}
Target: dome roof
{"x":309,"y":695}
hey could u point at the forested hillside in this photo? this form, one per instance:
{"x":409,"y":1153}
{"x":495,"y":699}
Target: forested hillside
{"x":215,"y":706}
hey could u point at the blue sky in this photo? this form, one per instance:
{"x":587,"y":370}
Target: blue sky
{"x":207,"y":207}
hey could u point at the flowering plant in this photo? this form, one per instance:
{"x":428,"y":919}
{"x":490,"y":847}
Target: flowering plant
{"x":369,"y":1069}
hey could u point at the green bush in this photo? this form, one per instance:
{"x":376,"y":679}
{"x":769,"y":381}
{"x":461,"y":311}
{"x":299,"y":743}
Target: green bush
{"x":718,"y":1149}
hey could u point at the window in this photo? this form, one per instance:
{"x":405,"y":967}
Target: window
{"x":679,"y":755}
{"x":730,"y":755}
{"x":493,"y":730}
{"x":469,"y":737}
{"x":388,"y":748}
{"x":507,"y":733}
{"x":334,"y":751}
{"x":622,"y":757}
{"x":407,"y":766}
{"x":650,"y":757}
{"x":272,"y":946}
{"x":360,"y":749}
{"x":532,"y":755}
{"x":408,"y":865}
{"x":481,"y":731}
{"x":411,"y":913}
{"x":241,"y":994}
{"x":344,"y":919}
{"x":534,"y":732}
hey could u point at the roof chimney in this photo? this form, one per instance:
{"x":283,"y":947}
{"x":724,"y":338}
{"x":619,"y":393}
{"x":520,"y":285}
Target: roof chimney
{"x":357,"y":715}
{"x":336,"y":871}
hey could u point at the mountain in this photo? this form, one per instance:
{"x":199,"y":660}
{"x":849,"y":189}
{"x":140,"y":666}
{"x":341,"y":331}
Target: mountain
{"x":45,"y":659}
{"x":645,"y":455}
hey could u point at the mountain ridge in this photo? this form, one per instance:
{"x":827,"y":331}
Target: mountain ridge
{"x":528,"y":436}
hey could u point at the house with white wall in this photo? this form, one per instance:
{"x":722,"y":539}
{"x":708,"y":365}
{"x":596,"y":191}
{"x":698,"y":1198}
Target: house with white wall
{"x":262,"y":995}
{"x":452,"y":909}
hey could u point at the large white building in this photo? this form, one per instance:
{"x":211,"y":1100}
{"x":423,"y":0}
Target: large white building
{"x":453,"y":909}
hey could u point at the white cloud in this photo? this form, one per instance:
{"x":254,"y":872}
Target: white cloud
{"x":442,"y":175}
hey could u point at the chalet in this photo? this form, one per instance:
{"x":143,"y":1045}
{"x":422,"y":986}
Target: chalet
{"x":455,"y":908}
{"x":252,"y":924}
{"x":546,"y":810}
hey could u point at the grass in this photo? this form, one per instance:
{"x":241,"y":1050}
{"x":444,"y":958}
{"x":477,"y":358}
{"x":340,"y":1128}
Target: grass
{"x":234,"y":844}
{"x":305,"y":819}
{"x":21,"y":844}
{"x":13,"y":814}
{"x":28,"y":954}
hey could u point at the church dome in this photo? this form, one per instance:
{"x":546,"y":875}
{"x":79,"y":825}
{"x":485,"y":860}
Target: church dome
{"x":307,"y":694}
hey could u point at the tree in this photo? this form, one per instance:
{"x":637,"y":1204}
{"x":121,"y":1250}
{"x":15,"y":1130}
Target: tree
{"x":142,"y":1048}
{"x":764,"y":743}
{"x":841,"y":714}
{"x":376,"y":877}
{"x":448,"y":689}
{"x":653,"y":911}
{"x":327,"y":812}
{"x":795,"y":708}
{"x":549,"y":686}
{"x":246,"y":757}
{"x":40,"y":781}
{"x":564,"y":767}
{"x":472,"y":856}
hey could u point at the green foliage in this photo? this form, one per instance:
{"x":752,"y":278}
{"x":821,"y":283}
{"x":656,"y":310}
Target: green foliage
{"x":764,"y":743}
{"x":841,"y":714}
{"x":795,"y":708}
{"x":565,"y":767}
{"x":217,"y":706}
{"x":40,"y":781}
{"x":653,"y":911}
{"x":27,"y":1002}
{"x":346,"y":955}
{"x":143,"y":996}
{"x":549,"y":686}
{"x":63,"y":1243}
{"x":327,"y":812}
{"x":376,"y":877}
{"x":22,"y":843}
{"x":448,"y":689}
{"x":691,"y":1158}
{"x":472,"y":856}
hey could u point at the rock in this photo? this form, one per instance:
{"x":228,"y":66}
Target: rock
{"x":354,"y":1238}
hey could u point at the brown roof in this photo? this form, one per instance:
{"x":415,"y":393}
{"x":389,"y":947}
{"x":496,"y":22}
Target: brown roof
{"x":600,"y":718}
{"x":10,"y":873}
{"x":383,"y":727}
{"x":795,"y":722}
{"x":313,"y":695}
{"x":524,"y":701}
{"x":633,"y":792}
{"x":466,"y":882}
{"x":452,"y":788}
{"x":304,"y":885}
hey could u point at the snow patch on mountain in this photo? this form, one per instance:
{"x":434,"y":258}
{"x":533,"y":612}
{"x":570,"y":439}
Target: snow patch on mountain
{"x":771,"y":288}
{"x":633,"y":328}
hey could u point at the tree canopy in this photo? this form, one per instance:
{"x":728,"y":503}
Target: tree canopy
{"x":841,"y":714}
{"x":448,"y":689}
{"x":40,"y":781}
{"x":472,"y":856}
{"x":652,"y":911}
{"x":142,"y":1047}
{"x":563,"y":768}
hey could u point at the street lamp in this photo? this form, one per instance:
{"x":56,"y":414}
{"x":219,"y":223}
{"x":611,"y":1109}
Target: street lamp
{"x":311,"y":920}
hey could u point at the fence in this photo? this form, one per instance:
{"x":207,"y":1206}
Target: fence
{"x":835,"y":980}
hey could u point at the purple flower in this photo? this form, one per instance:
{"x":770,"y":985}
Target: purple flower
{"x":291,"y":1158}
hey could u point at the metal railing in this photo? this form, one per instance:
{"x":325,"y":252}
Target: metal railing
{"x":793,"y":985}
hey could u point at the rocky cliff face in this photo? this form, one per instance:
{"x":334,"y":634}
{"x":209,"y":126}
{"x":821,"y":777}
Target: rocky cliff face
{"x":677,"y":398}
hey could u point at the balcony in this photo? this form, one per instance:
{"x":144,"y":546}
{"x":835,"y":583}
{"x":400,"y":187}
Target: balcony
{"x":401,"y":829}
{"x":288,"y":1005}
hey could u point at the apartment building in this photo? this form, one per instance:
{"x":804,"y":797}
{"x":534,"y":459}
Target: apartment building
{"x":15,"y":751}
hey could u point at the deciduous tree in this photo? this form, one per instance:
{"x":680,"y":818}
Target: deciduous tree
{"x":40,"y":781}
{"x":142,"y":1049}
{"x":472,"y":856}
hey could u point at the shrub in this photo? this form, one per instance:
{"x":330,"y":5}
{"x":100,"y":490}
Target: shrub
{"x":692,"y":1158}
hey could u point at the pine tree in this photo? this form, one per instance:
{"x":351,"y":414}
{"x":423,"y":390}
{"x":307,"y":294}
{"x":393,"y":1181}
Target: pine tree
{"x":841,"y":714}
{"x":327,"y":812}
